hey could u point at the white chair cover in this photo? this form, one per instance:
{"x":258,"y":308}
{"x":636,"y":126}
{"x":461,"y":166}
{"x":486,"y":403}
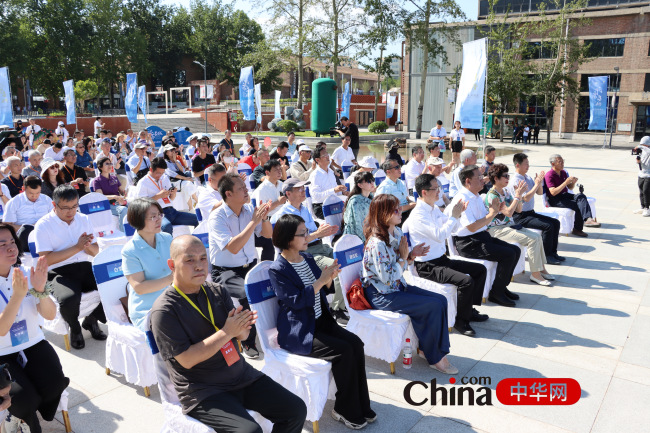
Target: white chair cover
{"x":97,"y":207}
{"x":383,"y":332}
{"x":490,"y":266}
{"x":202,"y":232}
{"x":309,"y":378}
{"x":564,"y":215}
{"x":333,"y":212}
{"x":380,"y":175}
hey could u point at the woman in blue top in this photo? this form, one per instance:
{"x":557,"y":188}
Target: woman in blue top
{"x":358,"y":203}
{"x":144,"y":258}
{"x":84,"y":159}
{"x":306,"y":327}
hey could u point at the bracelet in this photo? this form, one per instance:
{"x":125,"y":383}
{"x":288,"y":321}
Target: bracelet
{"x":47,"y":291}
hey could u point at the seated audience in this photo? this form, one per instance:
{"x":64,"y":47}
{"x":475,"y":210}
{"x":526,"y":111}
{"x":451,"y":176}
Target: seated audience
{"x":203,"y":160}
{"x":305,"y":326}
{"x":472,"y":240}
{"x":22,"y":211}
{"x":108,"y":184}
{"x":414,"y":168}
{"x":430,"y":227}
{"x":294,"y":191}
{"x":177,"y":175}
{"x":343,"y":154}
{"x":232,"y":227}
{"x":358,"y":203}
{"x":65,"y":237}
{"x":209,"y":198}
{"x":259,"y":172}
{"x":528,"y":218}
{"x":385,"y":258}
{"x":323,"y":182}
{"x":34,"y":166}
{"x":467,"y":158}
{"x":243,"y":151}
{"x":105,"y":150}
{"x":251,"y":160}
{"x":51,"y":175}
{"x":157,"y":185}
{"x":270,"y":190}
{"x":85,"y":155}
{"x":502,"y":226}
{"x":366,"y":164}
{"x":301,"y":169}
{"x":490,"y":155}
{"x":144,"y":259}
{"x":281,"y":152}
{"x":393,"y":153}
{"x":293,"y":146}
{"x":435,"y":169}
{"x":14,"y":180}
{"x":255,"y":145}
{"x":393,"y":185}
{"x":139,"y":163}
{"x":37,"y":376}
{"x":73,"y":174}
{"x":558,"y":183}
{"x":215,"y":385}
{"x":55,"y":152}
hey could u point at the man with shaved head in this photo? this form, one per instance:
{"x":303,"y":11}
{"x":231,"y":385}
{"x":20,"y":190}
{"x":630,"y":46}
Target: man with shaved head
{"x":196,"y":328}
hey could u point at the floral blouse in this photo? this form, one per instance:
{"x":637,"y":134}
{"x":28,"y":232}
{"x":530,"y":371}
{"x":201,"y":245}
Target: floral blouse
{"x":500,"y":219}
{"x":380,"y":266}
{"x":356,"y":211}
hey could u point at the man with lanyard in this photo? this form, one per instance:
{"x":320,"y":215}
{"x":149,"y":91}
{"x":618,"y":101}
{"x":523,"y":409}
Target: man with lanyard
{"x":73,"y":174}
{"x":294,"y":190}
{"x":139,"y":163}
{"x":202,"y":161}
{"x":438,"y":134}
{"x":157,"y":185}
{"x":232,"y":227}
{"x":196,"y":327}
{"x":350,"y":130}
{"x":14,"y":181}
{"x":227,"y":141}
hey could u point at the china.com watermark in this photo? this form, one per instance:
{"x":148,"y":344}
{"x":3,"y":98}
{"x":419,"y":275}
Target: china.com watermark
{"x":472,"y":390}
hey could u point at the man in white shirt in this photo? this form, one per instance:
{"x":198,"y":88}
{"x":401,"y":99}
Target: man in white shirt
{"x":438,"y":133}
{"x":414,"y":167}
{"x":98,"y":126}
{"x":62,"y":131}
{"x":139,"y":163}
{"x":270,"y":190}
{"x":105,"y":151}
{"x":323,"y":182}
{"x":209,"y":198}
{"x":473,"y":241}
{"x":65,"y":237}
{"x":302,"y":168}
{"x":31,"y":130}
{"x":393,"y":185}
{"x":343,"y":154}
{"x":24,"y":210}
{"x":435,"y":168}
{"x":428,"y":225}
{"x":55,"y":152}
{"x":467,"y":158}
{"x":157,"y":185}
{"x":232,"y":244}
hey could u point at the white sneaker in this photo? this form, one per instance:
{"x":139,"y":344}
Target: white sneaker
{"x":639,"y":211}
{"x":11,"y":424}
{"x":646,"y":212}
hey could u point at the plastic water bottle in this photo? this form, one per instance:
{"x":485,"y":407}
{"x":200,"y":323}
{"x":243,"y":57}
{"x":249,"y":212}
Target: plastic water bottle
{"x":407,"y":360}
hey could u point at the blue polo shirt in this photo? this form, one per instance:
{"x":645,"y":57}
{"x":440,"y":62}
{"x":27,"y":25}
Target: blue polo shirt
{"x":302,"y":212}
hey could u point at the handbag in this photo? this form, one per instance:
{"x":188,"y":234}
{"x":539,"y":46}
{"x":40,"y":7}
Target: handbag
{"x":356,"y":298}
{"x":125,"y":303}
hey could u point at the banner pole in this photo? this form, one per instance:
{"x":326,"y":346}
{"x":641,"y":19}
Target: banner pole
{"x":606,"y":115}
{"x":481,"y":148}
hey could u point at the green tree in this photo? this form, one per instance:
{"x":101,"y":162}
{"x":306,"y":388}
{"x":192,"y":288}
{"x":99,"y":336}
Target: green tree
{"x":84,"y":90}
{"x":268,"y":66}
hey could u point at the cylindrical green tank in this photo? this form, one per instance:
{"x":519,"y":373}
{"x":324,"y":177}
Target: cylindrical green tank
{"x":323,"y":105}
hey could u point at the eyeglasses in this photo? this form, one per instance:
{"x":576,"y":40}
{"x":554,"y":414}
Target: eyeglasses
{"x":394,"y":167}
{"x":302,"y":235}
{"x":397,"y":211}
{"x":155,"y":217}
{"x":436,"y":188}
{"x":68,"y":209}
{"x":505,"y":175}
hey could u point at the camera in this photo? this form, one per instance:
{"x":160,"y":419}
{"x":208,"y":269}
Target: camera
{"x":333,"y":130}
{"x":636,"y":151}
{"x":581,"y":188}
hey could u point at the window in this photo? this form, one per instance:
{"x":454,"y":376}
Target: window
{"x":606,"y":47}
{"x":612,"y":86}
{"x":646,"y":85}
{"x":539,"y":50}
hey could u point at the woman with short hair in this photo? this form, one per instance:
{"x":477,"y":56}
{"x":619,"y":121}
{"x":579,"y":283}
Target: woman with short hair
{"x":358,"y":203}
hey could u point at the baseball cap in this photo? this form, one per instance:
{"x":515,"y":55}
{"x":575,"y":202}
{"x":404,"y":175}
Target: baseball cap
{"x":141,"y":144}
{"x":436,"y":161}
{"x":293,"y":182}
{"x":645,"y":141}
{"x":61,"y":123}
{"x":304,"y":148}
{"x":368,"y":162}
{"x":300,"y":141}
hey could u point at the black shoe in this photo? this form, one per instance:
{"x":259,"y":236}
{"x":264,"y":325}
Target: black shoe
{"x":90,"y":324}
{"x":370,"y":416}
{"x":250,"y":352}
{"x":551,"y":260}
{"x":511,"y":295}
{"x":464,"y":328}
{"x":77,"y":340}
{"x":340,"y":317}
{"x":559,"y":257}
{"x":478,"y":317}
{"x":501,"y":300}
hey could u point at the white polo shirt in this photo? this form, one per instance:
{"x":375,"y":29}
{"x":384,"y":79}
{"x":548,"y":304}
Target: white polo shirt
{"x":148,"y":187}
{"x":322,"y":184}
{"x":475,"y":211}
{"x":428,"y":225}
{"x":54,"y":234}
{"x":20,"y":210}
{"x":224,"y":225}
{"x":267,"y":191}
{"x":341,"y":155}
{"x":50,"y":153}
{"x":208,"y":197}
{"x":412,"y":170}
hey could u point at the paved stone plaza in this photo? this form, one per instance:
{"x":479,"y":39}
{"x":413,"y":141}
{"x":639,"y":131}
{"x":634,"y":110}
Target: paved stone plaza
{"x":592,"y":325}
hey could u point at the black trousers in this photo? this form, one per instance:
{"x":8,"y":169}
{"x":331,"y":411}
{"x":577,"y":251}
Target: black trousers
{"x":577,"y":203}
{"x":233,"y":280}
{"x":68,"y":283}
{"x":23,"y":234}
{"x":227,"y":411}
{"x":318,"y":210}
{"x":644,"y":192}
{"x":483,"y":246}
{"x":550,"y":228}
{"x":345,"y":351}
{"x":37,"y":386}
{"x":469,"y":277}
{"x":268,"y":251}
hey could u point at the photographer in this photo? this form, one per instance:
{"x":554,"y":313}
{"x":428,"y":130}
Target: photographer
{"x":350,"y":130}
{"x":642,"y":153}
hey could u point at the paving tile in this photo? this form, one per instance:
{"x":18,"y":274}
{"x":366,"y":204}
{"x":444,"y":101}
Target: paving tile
{"x":625,"y":408}
{"x":637,"y":350}
{"x":633,"y":373}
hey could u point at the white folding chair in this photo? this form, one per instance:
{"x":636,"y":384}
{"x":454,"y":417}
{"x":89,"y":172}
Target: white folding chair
{"x":309,"y":378}
{"x":244,"y":168}
{"x":346,"y":167}
{"x":127,"y":349}
{"x":489,"y":265}
{"x":89,"y":301}
{"x":380,"y":175}
{"x":449,"y":291}
{"x":383,"y":332}
{"x":333,"y":212}
{"x":202,"y":232}
{"x":564,"y":215}
{"x":97,"y":207}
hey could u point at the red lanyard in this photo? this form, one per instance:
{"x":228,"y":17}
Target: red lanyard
{"x":74,"y":173}
{"x":154,"y":182}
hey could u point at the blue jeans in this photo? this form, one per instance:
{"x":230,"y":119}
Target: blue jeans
{"x":428,"y":314}
{"x":120,"y":212}
{"x":172,"y":218}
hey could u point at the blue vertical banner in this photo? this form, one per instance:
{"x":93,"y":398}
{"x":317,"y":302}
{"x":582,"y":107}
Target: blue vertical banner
{"x":246,"y":93}
{"x":470,"y":96}
{"x":390,"y":106}
{"x":142,"y":101}
{"x":6,"y":109}
{"x":131,"y":100}
{"x":71,"y":117}
{"x":598,"y":102}
{"x":345,"y":101}
{"x":278,"y":112}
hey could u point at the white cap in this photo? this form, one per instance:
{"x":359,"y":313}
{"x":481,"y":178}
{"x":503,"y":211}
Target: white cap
{"x":300,"y":141}
{"x":368,"y":162}
{"x":645,"y":141}
{"x":61,"y":123}
{"x":305,"y":148}
{"x":436,"y":161}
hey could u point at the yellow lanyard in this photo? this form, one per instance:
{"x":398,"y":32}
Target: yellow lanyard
{"x":211,"y":319}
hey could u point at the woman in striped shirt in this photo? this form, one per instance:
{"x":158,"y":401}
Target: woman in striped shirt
{"x":306,"y":327}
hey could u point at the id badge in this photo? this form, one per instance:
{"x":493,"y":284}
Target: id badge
{"x":166,"y":200}
{"x":75,"y":185}
{"x":229,"y":352}
{"x":19,"y":334}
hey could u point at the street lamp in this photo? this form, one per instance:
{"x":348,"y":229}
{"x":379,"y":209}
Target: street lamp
{"x":611,"y":126}
{"x":205,"y":86}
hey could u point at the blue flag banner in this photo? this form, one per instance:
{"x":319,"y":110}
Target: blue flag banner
{"x":6,"y":109}
{"x":345,"y":101}
{"x":71,"y":117}
{"x":246,"y":93}
{"x":131,"y":100}
{"x":182,"y":136}
{"x":469,"y":102}
{"x":598,"y":102}
{"x":278,"y":112}
{"x":390,"y":106}
{"x":142,"y":101}
{"x":157,"y":134}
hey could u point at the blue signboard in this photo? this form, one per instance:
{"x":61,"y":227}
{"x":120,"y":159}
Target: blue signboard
{"x":157,"y":134}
